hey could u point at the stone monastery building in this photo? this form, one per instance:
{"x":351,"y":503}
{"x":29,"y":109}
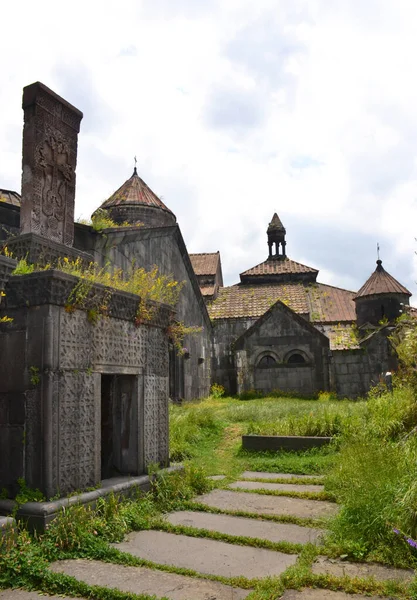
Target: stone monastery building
{"x":91,"y":398}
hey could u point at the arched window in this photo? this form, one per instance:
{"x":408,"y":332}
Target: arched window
{"x":267,"y":361}
{"x":296,"y":359}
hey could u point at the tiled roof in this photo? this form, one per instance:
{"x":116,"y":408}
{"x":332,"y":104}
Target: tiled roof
{"x":381,"y":282}
{"x":342,"y":336}
{"x":323,"y":303}
{"x":278,"y":267}
{"x":205,"y":263}
{"x":135,"y":191}
{"x":276,"y":224}
{"x":207,"y":290}
{"x":10,"y":197}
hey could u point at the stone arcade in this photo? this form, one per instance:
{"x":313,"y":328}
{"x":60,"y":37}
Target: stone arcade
{"x":82,"y":402}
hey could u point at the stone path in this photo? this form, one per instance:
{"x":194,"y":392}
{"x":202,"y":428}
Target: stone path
{"x":266,"y":476}
{"x":278,"y":487}
{"x":220,"y":558}
{"x":266,"y":530}
{"x":268,"y":505}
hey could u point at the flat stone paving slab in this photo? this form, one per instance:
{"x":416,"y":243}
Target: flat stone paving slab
{"x":263,"y":475}
{"x":340,"y":568}
{"x":268,"y":505}
{"x":206,"y":556}
{"x":264,"y":530}
{"x":141,"y":580}
{"x":278,"y":487}
{"x":23,"y":595}
{"x":319,"y":594}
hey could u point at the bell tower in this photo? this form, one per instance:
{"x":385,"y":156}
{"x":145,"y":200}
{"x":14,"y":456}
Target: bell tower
{"x":276,"y":236}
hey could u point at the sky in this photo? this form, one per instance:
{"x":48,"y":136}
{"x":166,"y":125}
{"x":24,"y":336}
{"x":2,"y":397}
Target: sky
{"x":237,"y":109}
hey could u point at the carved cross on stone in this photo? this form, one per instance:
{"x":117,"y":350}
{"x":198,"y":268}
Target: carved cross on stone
{"x":49,"y":161}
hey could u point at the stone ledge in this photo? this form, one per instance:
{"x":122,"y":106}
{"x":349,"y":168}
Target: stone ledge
{"x":7,"y":265}
{"x":275,"y":442}
{"x":54,"y":287}
{"x":37,"y":515}
{"x":37,"y":249}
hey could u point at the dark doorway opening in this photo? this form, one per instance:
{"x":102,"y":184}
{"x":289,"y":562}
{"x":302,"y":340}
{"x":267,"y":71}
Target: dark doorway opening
{"x":176,"y":376}
{"x":119,"y":426}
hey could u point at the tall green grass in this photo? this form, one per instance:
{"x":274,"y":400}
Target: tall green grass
{"x":375,"y":481}
{"x":190,"y":425}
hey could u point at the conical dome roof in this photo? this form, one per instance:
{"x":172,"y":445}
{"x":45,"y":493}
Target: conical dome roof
{"x":135,"y":202}
{"x":275,"y":224}
{"x":381,"y":282}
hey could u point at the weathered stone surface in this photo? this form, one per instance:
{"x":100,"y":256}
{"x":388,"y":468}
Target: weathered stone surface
{"x":263,"y":475}
{"x":265,"y":530}
{"x":49,"y":161}
{"x":278,"y":487}
{"x":283,"y":442}
{"x":338,"y":568}
{"x":24,"y":595}
{"x":140,"y":580}
{"x":206,"y":556}
{"x":268,"y":505}
{"x":319,"y":594}
{"x":217,"y":477}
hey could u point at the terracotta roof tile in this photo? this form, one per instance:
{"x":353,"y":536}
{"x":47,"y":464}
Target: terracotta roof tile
{"x":381,"y":282}
{"x":10,"y":197}
{"x":207,"y":290}
{"x":135,"y":191}
{"x":278,"y":267}
{"x":323,"y":303}
{"x":342,"y":336}
{"x":205,"y":263}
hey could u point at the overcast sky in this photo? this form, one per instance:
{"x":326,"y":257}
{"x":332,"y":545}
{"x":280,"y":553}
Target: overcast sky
{"x":237,"y":109}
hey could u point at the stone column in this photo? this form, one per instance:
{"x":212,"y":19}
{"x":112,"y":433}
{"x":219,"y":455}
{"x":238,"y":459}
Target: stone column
{"x":51,"y":127}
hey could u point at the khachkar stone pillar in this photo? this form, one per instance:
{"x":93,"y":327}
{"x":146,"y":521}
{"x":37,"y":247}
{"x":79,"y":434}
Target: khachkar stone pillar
{"x":51,"y":127}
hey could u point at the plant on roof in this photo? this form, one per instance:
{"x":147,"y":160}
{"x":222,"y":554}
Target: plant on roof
{"x":101,"y":220}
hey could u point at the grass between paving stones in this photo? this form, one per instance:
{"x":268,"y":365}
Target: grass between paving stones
{"x":239,"y":540}
{"x":302,"y":521}
{"x":290,"y":494}
{"x":290,"y":480}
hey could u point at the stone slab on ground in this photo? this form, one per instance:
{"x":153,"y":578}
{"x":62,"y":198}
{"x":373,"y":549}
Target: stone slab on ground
{"x":24,"y":595}
{"x":204,"y":555}
{"x":268,"y":505}
{"x":342,"y":568}
{"x":263,"y":475}
{"x":217,"y":477}
{"x":319,"y":594}
{"x":278,"y":487}
{"x":265,"y":530}
{"x":141,"y":580}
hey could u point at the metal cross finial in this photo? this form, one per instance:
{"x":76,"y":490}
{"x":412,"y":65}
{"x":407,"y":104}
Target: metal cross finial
{"x":135,"y":159}
{"x":377,"y":249}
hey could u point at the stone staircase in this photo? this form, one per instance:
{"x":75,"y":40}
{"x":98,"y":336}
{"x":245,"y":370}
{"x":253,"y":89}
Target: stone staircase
{"x":205,"y":559}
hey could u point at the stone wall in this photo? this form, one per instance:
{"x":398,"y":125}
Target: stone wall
{"x":51,"y":389}
{"x":164,"y":247}
{"x":225,"y":333}
{"x":350,"y":370}
{"x":279,"y":334}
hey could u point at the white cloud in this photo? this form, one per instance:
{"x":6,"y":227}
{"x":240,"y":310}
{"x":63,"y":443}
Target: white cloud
{"x":237,"y":110}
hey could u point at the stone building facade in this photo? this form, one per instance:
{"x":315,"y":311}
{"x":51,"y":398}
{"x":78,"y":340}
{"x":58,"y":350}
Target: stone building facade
{"x":85,"y":399}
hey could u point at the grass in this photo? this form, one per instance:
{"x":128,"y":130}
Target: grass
{"x":370,"y":468}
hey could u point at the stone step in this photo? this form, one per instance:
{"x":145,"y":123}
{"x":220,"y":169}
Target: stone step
{"x":343,"y":568}
{"x":319,"y":594}
{"x":24,"y":595}
{"x":206,"y":556}
{"x":278,"y":487}
{"x":263,"y":475}
{"x":264,"y":530}
{"x":268,"y":505}
{"x":141,"y":580}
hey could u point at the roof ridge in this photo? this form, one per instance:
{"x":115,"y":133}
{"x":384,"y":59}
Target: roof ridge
{"x":335,"y":287}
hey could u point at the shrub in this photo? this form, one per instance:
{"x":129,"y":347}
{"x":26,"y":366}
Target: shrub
{"x":217,"y":390}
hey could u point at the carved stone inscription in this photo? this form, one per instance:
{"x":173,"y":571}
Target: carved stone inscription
{"x":49,"y":161}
